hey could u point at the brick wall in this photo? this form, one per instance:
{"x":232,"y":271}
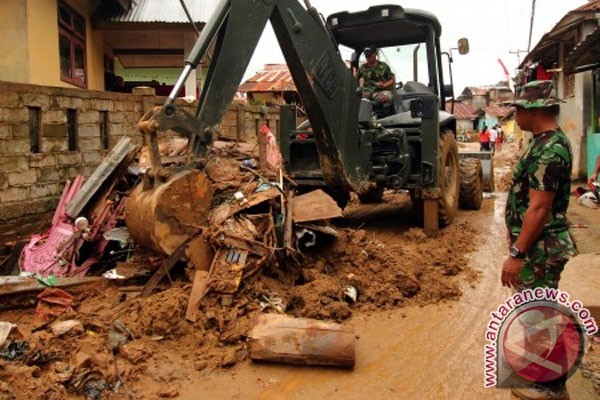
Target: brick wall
{"x":32,"y":179}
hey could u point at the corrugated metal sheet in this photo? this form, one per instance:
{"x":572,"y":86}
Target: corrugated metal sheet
{"x":586,"y":55}
{"x":499,"y":111}
{"x":273,"y":78}
{"x":462,"y":111}
{"x":164,"y":11}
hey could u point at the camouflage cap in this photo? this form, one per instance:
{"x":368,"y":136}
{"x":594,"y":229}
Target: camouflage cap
{"x":537,"y":94}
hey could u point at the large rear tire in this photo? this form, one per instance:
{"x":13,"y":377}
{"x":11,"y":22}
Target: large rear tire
{"x":471,"y":186}
{"x":449,"y":181}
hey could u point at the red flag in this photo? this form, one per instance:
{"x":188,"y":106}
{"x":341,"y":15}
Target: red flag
{"x":503,"y":67}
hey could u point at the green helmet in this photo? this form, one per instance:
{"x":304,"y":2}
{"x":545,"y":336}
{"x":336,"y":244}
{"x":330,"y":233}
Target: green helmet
{"x":537,"y":94}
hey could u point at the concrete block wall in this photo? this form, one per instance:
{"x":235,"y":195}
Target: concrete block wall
{"x":31,"y":181}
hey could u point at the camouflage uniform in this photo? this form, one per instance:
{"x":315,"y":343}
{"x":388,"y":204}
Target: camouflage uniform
{"x":381,"y":72}
{"x":545,"y":166}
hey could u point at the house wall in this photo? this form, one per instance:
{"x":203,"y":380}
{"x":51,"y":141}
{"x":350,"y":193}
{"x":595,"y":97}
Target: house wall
{"x":44,"y":62}
{"x":31,"y":183}
{"x":464,"y":126}
{"x":14,"y":62}
{"x":479,"y":101}
{"x":573,"y":119}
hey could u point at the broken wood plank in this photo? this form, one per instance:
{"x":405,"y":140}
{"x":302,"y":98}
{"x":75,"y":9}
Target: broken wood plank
{"x":165,"y":267}
{"x":198,"y":292}
{"x":314,"y":206}
{"x":11,"y":285}
{"x":200,"y":253}
{"x":288,"y":226}
{"x":281,"y":338}
{"x":220,"y":214}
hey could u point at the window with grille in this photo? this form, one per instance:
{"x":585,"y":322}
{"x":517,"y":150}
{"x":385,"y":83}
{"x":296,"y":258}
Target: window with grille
{"x":71,"y":40}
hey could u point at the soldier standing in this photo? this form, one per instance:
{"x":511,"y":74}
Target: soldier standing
{"x":536,"y":208}
{"x":377,"y":81}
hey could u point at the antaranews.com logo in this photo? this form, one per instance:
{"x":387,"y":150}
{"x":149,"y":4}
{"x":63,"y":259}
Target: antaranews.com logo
{"x":536,"y":335}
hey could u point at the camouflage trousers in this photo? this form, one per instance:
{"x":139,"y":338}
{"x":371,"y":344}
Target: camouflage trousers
{"x":546,"y":260}
{"x":382,"y":97}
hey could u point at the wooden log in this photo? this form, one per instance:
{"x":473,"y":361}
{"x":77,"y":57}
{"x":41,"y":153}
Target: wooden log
{"x":285,"y":339}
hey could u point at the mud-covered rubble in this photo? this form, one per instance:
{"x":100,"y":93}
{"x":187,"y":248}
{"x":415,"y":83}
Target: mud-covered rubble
{"x":114,"y":343}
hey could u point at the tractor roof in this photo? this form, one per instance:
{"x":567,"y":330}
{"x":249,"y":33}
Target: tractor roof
{"x":381,"y":26}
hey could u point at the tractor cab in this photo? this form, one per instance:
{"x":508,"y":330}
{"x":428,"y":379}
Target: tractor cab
{"x":408,"y":41}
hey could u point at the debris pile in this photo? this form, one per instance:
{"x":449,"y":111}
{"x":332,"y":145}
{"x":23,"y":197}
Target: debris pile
{"x":261,"y":248}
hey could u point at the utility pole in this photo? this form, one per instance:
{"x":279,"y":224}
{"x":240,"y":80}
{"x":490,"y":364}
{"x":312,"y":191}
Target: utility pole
{"x":531,"y":24}
{"x":518,"y":53}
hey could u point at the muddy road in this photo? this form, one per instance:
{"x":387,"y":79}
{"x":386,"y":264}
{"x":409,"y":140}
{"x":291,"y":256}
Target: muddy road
{"x":429,"y":352}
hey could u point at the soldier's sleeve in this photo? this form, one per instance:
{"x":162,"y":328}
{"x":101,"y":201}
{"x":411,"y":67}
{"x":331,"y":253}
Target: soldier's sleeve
{"x":550,"y":167}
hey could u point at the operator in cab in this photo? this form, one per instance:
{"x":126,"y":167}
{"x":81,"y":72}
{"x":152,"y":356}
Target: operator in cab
{"x":377,"y":82}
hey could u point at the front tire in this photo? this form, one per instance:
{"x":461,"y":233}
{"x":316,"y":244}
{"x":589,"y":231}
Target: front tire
{"x":449,"y":181}
{"x":471,"y":186}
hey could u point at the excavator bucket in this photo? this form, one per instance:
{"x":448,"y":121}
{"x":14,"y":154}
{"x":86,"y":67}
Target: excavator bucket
{"x":171,"y":203}
{"x":164,"y":216}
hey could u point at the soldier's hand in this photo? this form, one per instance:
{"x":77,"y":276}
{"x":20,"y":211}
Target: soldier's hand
{"x":510,"y":272}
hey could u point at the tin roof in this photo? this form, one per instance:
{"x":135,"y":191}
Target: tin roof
{"x":273,"y":78}
{"x":462,"y":110}
{"x":586,"y":55}
{"x":158,"y":11}
{"x":547,"y":48}
{"x":499,"y":111}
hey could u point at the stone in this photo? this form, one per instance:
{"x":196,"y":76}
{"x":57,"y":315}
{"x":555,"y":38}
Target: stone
{"x":44,"y":190}
{"x":52,"y":145}
{"x":13,"y":164}
{"x":88,"y":117}
{"x":9,"y":99}
{"x":36,"y":100}
{"x":48,"y":174}
{"x":54,"y":130}
{"x":69,"y":159}
{"x":39,"y":160}
{"x":230,"y":358}
{"x":90,"y":144}
{"x":20,"y":131}
{"x":54,"y":117}
{"x":13,"y":194}
{"x":25,"y":178}
{"x":124,"y":106}
{"x":89,"y":130}
{"x":116,"y":118}
{"x":5,"y":132}
{"x":14,"y":146}
{"x":144,"y":91}
{"x":92,"y":158}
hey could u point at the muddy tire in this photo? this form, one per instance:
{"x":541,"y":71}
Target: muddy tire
{"x":449,"y":178}
{"x":371,"y":196}
{"x":471,"y":186}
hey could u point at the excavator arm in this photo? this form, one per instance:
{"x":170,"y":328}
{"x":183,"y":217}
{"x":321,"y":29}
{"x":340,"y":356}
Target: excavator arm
{"x":327,"y":87}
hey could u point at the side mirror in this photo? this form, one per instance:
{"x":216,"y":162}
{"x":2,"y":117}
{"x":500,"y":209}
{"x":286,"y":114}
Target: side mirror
{"x":463,"y":46}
